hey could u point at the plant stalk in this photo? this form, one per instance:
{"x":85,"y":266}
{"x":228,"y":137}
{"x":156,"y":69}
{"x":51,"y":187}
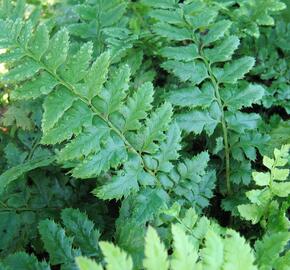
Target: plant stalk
{"x":223,"y":124}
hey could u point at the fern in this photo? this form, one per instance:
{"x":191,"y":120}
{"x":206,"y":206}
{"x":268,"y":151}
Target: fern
{"x":111,"y":133}
{"x":22,"y":260}
{"x":164,"y":107}
{"x":100,"y":22}
{"x":17,"y":171}
{"x":252,"y":14}
{"x":197,"y":243}
{"x":274,"y":185}
{"x":269,"y":248}
{"x":78,"y":224}
{"x":184,"y":255}
{"x":156,"y":255}
{"x":271,"y":66}
{"x":65,"y":100}
{"x":212,"y":92}
{"x":57,"y":243}
{"x":60,"y":242}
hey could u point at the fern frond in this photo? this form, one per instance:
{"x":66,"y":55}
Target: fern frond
{"x":155,"y":253}
{"x":272,"y":184}
{"x":12,"y":174}
{"x":242,"y":257}
{"x":213,"y":253}
{"x":85,"y":235}
{"x":269,"y":248}
{"x":23,"y":261}
{"x":58,"y":245}
{"x":87,"y":264}
{"x":115,"y":257}
{"x":184,"y":255}
{"x":208,"y":68}
{"x":219,"y":252}
{"x":90,"y":105}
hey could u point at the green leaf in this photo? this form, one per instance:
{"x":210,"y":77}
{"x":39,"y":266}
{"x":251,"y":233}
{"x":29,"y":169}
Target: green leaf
{"x":167,"y":16}
{"x":23,"y":71}
{"x":169,"y":149}
{"x":260,"y":197}
{"x":57,"y":244}
{"x":122,"y":184}
{"x":25,"y":34}
{"x":283,"y":262}
{"x":85,"y":235}
{"x":14,"y":173}
{"x":239,"y":122}
{"x":281,"y":189}
{"x":10,"y":227}
{"x":55,"y":105}
{"x":2,"y":267}
{"x":217,"y":31}
{"x":41,"y":85}
{"x":146,"y":203}
{"x":261,"y":179}
{"x":237,"y":253}
{"x":111,"y":155}
{"x":71,"y":123}
{"x":194,"y":72}
{"x":196,"y":165}
{"x":223,"y":51}
{"x":160,"y":4}
{"x":116,"y":90}
{"x":213,"y":252}
{"x":268,"y":162}
{"x":115,"y":258}
{"x":198,"y":120}
{"x":88,"y":142}
{"x":155,"y":126}
{"x":251,"y":212}
{"x":219,"y":145}
{"x":184,"y":254}
{"x":23,"y":261}
{"x":192,"y":97}
{"x":281,"y":155}
{"x":87,"y":264}
{"x":241,"y":172}
{"x":156,"y":257}
{"x":172,"y":32}
{"x":58,"y":50}
{"x":269,"y":248}
{"x":14,"y":155}
{"x":183,"y":53}
{"x":18,"y":115}
{"x":137,"y":107}
{"x":280,"y":174}
{"x":235,"y":98}
{"x":39,"y":42}
{"x":202,"y":18}
{"x":130,"y":237}
{"x":77,"y":65}
{"x":12,"y":55}
{"x":97,"y":75}
{"x":236,"y":69}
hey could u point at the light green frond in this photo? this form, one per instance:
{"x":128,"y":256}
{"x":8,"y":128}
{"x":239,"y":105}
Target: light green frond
{"x":115,"y":258}
{"x":156,"y":257}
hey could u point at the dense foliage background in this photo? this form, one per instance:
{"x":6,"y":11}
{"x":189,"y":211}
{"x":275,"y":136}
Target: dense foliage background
{"x":144,"y":134}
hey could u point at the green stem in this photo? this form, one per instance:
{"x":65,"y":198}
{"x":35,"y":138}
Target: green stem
{"x":6,"y":208}
{"x":220,"y":103}
{"x":33,"y":148}
{"x":223,"y":123}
